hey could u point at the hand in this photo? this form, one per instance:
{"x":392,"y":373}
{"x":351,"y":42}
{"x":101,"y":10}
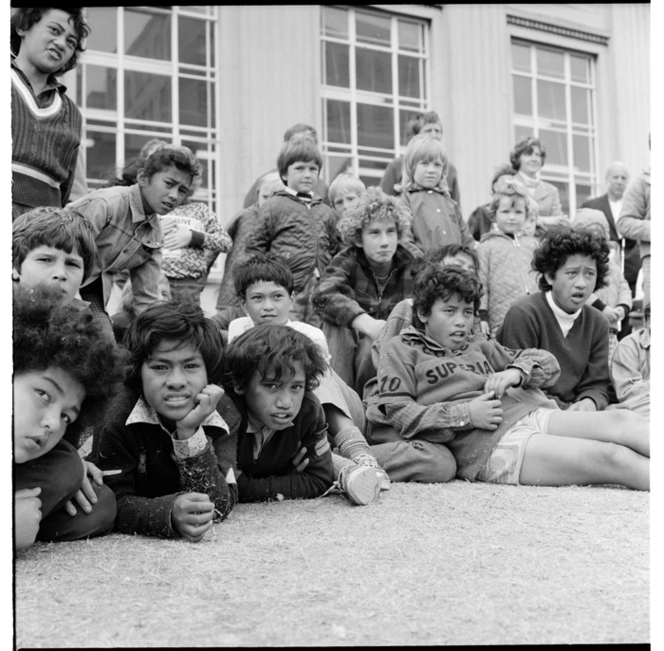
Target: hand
{"x":500,"y":382}
{"x":176,"y":235}
{"x":585,"y":404}
{"x":613,"y":314}
{"x":85,"y":496}
{"x":485,"y":413}
{"x":191,"y":515}
{"x":206,"y":401}
{"x":299,"y":461}
{"x":27,"y":516}
{"x":367,"y":325}
{"x":486,"y":330}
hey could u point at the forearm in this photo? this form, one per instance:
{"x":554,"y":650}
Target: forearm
{"x":146,"y":516}
{"x":438,"y":422}
{"x":145,"y":282}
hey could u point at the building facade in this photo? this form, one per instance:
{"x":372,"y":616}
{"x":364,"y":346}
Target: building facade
{"x":227,"y":81}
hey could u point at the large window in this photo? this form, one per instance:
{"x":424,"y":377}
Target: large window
{"x":148,"y":72}
{"x":374,"y":72}
{"x":554,"y":99}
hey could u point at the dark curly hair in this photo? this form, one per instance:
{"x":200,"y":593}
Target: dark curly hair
{"x":525,"y":146}
{"x":434,"y":282}
{"x":262,"y":267}
{"x":48,"y":334}
{"x":558,"y":244}
{"x":180,"y":322}
{"x":24,"y":18}
{"x":272,"y":349}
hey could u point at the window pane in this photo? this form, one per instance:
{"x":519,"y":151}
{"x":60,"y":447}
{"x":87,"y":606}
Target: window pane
{"x":191,"y":41}
{"x":106,"y":39}
{"x":405,"y":127}
{"x":523,"y":102}
{"x":101,"y":88}
{"x":551,"y":100}
{"x":520,"y":57}
{"x":580,"y":105}
{"x":550,"y":63}
{"x":521,"y":132}
{"x":193,"y":102}
{"x":583,"y":193}
{"x":563,"y":190}
{"x":335,"y":165}
{"x":147,"y":96}
{"x":99,"y":155}
{"x":581,"y":153}
{"x":410,"y":73}
{"x":147,"y":35}
{"x":335,"y":22}
{"x":336,"y":62}
{"x":410,"y":36}
{"x":555,"y":145}
{"x":580,"y":67}
{"x":373,"y":70}
{"x":371,"y":28}
{"x":134,"y":143}
{"x":375,"y":126}
{"x":336,"y":119}
{"x":201,"y":152}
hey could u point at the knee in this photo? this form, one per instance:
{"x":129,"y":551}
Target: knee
{"x":612,"y":456}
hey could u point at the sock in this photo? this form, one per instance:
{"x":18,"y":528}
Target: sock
{"x":351,"y":443}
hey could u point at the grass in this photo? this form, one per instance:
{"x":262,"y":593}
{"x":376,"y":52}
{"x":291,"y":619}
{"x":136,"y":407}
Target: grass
{"x":458,"y":563}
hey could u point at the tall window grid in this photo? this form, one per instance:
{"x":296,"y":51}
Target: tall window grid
{"x":554,"y":100}
{"x":149,"y":72}
{"x":375,"y":71}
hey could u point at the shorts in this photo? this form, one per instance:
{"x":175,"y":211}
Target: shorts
{"x":504,"y":463}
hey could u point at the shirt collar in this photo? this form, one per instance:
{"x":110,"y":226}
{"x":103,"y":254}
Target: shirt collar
{"x":302,"y":195}
{"x":145,"y":413}
{"x":136,"y":204}
{"x":644,"y":337}
{"x":52,"y":82}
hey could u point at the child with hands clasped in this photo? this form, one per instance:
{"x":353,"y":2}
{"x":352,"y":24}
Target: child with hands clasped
{"x":64,"y":369}
{"x":482,"y":401}
{"x":170,"y":439}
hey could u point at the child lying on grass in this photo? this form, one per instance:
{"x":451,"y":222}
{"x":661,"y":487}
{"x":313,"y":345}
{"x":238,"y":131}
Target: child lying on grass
{"x":170,"y":436}
{"x":442,"y":386}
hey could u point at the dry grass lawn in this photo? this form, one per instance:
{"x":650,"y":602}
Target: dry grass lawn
{"x":446,"y":564}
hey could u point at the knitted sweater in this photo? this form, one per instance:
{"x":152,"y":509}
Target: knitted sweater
{"x":425,"y":391}
{"x":505,"y":272}
{"x":583,"y":354}
{"x":46,"y":134}
{"x":153,"y":476}
{"x":304,"y":233}
{"x":634,"y":219}
{"x":207,"y":233}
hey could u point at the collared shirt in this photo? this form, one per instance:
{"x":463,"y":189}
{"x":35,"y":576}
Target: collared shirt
{"x":45,"y":98}
{"x":616,"y":207}
{"x":262,"y":434}
{"x":191,"y":447}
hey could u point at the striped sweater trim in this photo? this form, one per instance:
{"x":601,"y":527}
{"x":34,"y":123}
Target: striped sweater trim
{"x":19,"y":168}
{"x":28,"y":98}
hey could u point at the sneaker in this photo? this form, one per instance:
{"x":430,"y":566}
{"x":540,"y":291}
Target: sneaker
{"x":360,"y":484}
{"x":370,"y":461}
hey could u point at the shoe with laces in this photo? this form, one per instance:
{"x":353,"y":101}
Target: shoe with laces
{"x":370,"y":461}
{"x":360,"y":483}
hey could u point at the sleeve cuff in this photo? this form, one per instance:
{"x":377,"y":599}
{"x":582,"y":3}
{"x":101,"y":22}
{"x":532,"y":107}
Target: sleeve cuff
{"x":197,"y":239}
{"x":192,"y":447}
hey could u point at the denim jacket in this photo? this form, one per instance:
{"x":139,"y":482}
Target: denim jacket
{"x":127,"y":238}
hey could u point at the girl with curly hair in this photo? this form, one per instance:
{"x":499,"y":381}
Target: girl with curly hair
{"x":363,"y":283}
{"x":64,"y":371}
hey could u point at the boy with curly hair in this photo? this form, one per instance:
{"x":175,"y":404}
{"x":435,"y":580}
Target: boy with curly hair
{"x":445,"y":390}
{"x":64,"y":370}
{"x":571,"y":266}
{"x":169,"y":441}
{"x":363,"y":283}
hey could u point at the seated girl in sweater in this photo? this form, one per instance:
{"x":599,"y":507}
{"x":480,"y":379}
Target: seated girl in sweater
{"x":440,"y":385}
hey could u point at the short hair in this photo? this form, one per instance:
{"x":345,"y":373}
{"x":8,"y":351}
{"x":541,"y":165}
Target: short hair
{"x":434,"y":282}
{"x":272,"y":182}
{"x":178,"y":321}
{"x":514,"y":190}
{"x":298,"y":148}
{"x":24,"y":18}
{"x":182,"y":158}
{"x":431,"y":117}
{"x":343,"y":184}
{"x":560,"y":243}
{"x":437,"y":255}
{"x":525,"y":146}
{"x":272,"y":348}
{"x":374,"y":205}
{"x":298,"y":128}
{"x":503,"y":170}
{"x":60,"y":228}
{"x":151,"y":146}
{"x":587,"y":218}
{"x":424,"y":148}
{"x":264,"y":267}
{"x":50,"y":334}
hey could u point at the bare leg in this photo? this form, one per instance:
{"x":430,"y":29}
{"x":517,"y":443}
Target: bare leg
{"x":616,"y":426}
{"x":563,"y":461}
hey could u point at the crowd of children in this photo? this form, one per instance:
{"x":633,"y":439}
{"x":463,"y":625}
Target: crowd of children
{"x":360,"y":338}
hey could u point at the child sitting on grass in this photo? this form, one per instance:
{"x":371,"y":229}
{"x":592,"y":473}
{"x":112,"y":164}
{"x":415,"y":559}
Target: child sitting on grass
{"x":64,"y":370}
{"x":345,"y":193}
{"x":505,"y":253}
{"x":440,"y":385}
{"x":264,"y":285}
{"x":169,"y":441}
{"x":363,"y":283}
